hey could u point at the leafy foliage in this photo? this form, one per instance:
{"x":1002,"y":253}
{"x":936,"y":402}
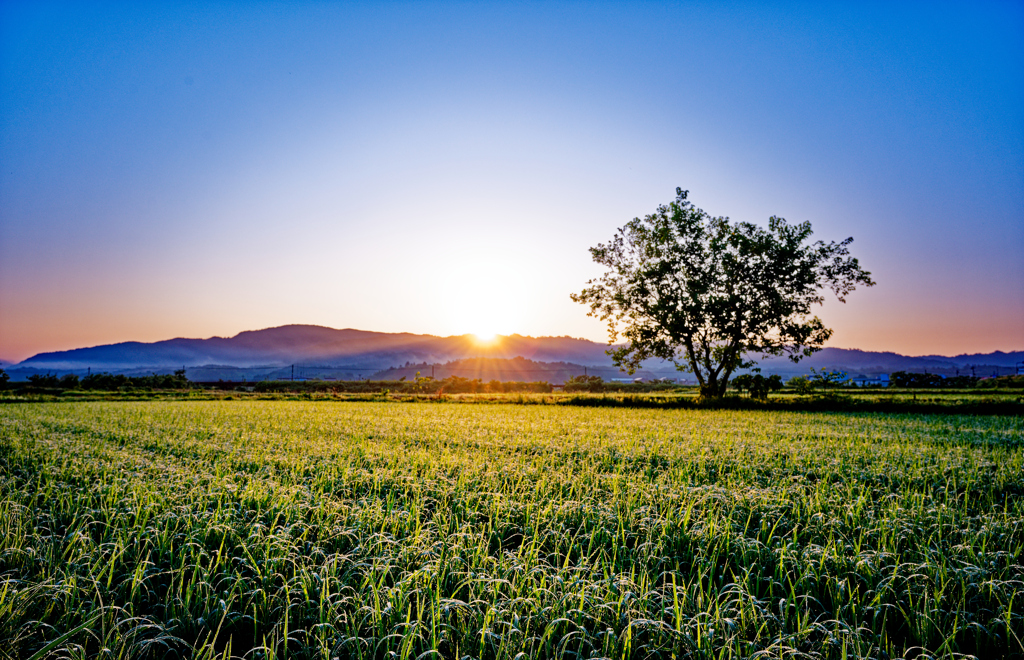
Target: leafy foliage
{"x":44,"y":380}
{"x":757,"y":385}
{"x":107,"y":381}
{"x":1011,"y":382}
{"x":828,"y":378}
{"x":419,"y":385}
{"x":705,"y":293}
{"x":801,"y":385}
{"x":934,"y":381}
{"x":584,"y":384}
{"x":65,"y":382}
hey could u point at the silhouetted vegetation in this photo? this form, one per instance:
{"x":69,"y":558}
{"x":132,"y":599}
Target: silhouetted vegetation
{"x":1009,"y":382}
{"x":584,"y":384}
{"x":44,"y":380}
{"x":107,"y":381}
{"x":757,"y":385}
{"x":800,"y":385}
{"x":598,"y":384}
{"x":827,"y":379}
{"x":934,"y":381}
{"x":419,"y":385}
{"x":704,"y":293}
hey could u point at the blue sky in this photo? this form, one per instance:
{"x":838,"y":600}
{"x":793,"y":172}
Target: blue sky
{"x":196,"y":170}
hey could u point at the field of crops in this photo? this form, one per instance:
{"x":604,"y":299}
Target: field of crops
{"x":273,"y":529}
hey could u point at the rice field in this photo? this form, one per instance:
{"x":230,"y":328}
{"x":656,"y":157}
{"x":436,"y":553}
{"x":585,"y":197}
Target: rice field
{"x":288,"y":529}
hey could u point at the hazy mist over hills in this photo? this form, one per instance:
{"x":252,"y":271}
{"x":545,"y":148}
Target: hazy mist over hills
{"x":350,"y":353}
{"x":317,"y":345}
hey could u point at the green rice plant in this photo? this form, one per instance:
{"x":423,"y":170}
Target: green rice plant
{"x":288,"y":529}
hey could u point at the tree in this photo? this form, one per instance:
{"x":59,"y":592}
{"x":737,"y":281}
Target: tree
{"x":757,"y":385}
{"x":707,"y":294}
{"x":801,"y":385}
{"x":49,"y":380}
{"x":68,"y":382}
{"x":826,"y":379}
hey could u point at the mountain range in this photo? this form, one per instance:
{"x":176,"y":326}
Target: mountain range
{"x":349,"y":351}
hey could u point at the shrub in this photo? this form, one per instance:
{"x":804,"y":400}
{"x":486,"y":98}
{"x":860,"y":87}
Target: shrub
{"x":584,"y":384}
{"x":932,"y":381}
{"x":106,"y":381}
{"x":68,"y":382}
{"x":49,"y":380}
{"x":757,"y":385}
{"x":801,"y":385}
{"x":1014,"y":382}
{"x":826,"y":378}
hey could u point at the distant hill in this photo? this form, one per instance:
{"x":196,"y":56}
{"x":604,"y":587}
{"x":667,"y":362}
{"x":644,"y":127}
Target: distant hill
{"x":317,"y":345}
{"x":351,"y":353}
{"x":870,"y":362}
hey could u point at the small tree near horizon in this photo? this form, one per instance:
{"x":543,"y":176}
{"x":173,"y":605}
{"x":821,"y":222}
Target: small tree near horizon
{"x":757,"y":385}
{"x":705,"y":293}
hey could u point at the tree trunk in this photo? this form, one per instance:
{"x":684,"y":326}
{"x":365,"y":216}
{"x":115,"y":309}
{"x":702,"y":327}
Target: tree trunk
{"x":713,"y":388}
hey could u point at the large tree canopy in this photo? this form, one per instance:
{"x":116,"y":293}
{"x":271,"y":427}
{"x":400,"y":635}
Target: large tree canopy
{"x":708,"y":294}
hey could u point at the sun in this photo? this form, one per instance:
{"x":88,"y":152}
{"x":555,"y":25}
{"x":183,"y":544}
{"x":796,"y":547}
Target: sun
{"x":485,"y":336}
{"x":482,"y":316}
